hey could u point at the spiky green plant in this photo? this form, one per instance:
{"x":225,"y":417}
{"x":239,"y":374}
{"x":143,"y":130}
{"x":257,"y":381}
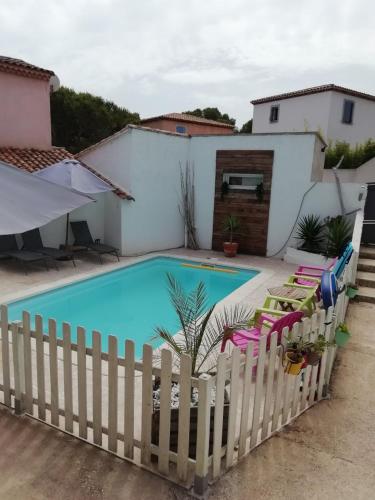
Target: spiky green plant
{"x":202,"y":329}
{"x":309,"y":230}
{"x":231,"y":225}
{"x":339,"y":233}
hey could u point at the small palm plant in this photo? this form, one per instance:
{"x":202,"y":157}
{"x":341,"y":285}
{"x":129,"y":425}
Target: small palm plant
{"x":339,"y":233}
{"x":309,"y":230}
{"x":231,"y":225}
{"x":202,"y":329}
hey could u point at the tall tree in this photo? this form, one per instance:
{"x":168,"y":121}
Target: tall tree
{"x":247,"y":127}
{"x":80,"y":119}
{"x":212,"y":114}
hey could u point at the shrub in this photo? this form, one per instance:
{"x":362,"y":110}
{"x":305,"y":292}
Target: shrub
{"x":309,"y":231}
{"x":354,"y":157}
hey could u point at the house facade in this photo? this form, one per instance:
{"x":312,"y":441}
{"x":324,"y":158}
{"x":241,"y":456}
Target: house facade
{"x":183,"y":123}
{"x":148,"y":163}
{"x":337,"y":113}
{"x":25,"y":104}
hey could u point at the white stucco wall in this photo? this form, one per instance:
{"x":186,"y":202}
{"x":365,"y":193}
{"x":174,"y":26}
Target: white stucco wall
{"x":310,"y":113}
{"x":363,"y":126}
{"x":320,"y":112}
{"x":53,"y":234}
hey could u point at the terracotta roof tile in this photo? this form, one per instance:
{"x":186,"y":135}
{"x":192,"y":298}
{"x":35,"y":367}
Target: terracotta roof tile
{"x":315,"y":90}
{"x":184,"y":117}
{"x":17,"y":66}
{"x":32,"y":160}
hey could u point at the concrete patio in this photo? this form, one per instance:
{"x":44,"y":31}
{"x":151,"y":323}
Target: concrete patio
{"x":327,"y":453}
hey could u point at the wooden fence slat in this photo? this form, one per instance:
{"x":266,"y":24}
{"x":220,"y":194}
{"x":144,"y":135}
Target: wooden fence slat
{"x":82,"y":382}
{"x":269,"y":386}
{"x":184,"y":417}
{"x":234,"y":392}
{"x":258,"y":391}
{"x":203,"y":434}
{"x":29,"y":406}
{"x":68,"y":383}
{"x":290,"y":379}
{"x":40,"y":367}
{"x":18,"y":367}
{"x":146,"y":405}
{"x":296,"y":394}
{"x":246,"y":395}
{"x":312,"y":392}
{"x":5,"y":355}
{"x":97,"y":387}
{"x":129,"y":400}
{"x":280,"y":381}
{"x":112,"y":393}
{"x":219,"y":413}
{"x":53,"y":369}
{"x":165,"y":410}
{"x":305,"y":387}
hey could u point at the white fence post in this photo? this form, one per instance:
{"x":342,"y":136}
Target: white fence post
{"x":19,"y":368}
{"x":203,"y":434}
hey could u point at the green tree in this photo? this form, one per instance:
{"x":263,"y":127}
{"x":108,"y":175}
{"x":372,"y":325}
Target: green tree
{"x":80,"y":119}
{"x":247,"y":128}
{"x":212,"y":114}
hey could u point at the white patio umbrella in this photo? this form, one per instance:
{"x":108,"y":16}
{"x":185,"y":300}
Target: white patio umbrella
{"x":27,"y":201}
{"x":73,"y":175}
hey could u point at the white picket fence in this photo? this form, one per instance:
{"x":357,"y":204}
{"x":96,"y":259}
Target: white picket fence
{"x":107,"y":399}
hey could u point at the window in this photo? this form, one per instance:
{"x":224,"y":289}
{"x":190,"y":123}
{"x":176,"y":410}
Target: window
{"x":180,"y":129}
{"x":347,"y":112}
{"x":274,"y":113}
{"x":246,"y":182}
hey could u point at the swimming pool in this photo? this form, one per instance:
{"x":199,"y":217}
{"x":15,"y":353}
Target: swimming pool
{"x":128,"y":302}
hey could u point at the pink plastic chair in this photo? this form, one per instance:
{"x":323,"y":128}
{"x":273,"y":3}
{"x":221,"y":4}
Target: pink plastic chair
{"x":315,"y":271}
{"x":241,"y":338}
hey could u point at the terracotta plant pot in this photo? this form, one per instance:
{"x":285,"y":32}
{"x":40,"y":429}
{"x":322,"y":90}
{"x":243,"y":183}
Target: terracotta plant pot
{"x":341,"y":337}
{"x":313,"y":358}
{"x":230,"y":249}
{"x":293,"y":363}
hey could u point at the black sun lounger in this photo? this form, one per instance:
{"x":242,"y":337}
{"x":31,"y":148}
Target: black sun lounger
{"x":9,"y":248}
{"x":33,"y":241}
{"x":83,"y":238}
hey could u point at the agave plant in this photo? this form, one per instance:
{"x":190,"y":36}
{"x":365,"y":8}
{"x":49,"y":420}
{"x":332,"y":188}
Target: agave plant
{"x":309,"y":230}
{"x":339,"y":233}
{"x":202,"y":329}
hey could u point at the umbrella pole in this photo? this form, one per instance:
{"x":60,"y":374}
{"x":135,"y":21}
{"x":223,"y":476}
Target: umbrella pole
{"x":67,"y":231}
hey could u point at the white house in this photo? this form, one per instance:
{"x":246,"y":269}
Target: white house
{"x":337,"y":113}
{"x":147,"y":163}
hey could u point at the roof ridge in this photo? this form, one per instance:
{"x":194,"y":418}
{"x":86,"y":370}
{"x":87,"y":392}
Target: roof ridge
{"x":314,"y":90}
{"x":187,"y":117}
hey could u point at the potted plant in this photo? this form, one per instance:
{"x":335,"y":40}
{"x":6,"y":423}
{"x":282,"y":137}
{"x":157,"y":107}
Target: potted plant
{"x":351,"y":290}
{"x":231,"y":225}
{"x":294,"y":357}
{"x":342,"y":335}
{"x":314,"y":350}
{"x":259,"y":191}
{"x":201,"y":334}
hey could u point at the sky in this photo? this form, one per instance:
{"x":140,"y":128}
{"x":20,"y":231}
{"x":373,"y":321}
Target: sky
{"x":162,"y":56}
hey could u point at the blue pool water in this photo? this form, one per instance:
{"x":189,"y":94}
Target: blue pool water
{"x":129,"y":302}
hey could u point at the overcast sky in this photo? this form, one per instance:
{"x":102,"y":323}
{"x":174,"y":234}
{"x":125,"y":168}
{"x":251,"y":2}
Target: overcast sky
{"x":160,"y":56}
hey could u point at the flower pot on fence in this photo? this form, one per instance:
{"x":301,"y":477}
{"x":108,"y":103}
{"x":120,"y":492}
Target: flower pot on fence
{"x":313,"y":358}
{"x":341,"y":337}
{"x":193,"y":429}
{"x":230,"y":249}
{"x":293,"y":362}
{"x":351,"y":292}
